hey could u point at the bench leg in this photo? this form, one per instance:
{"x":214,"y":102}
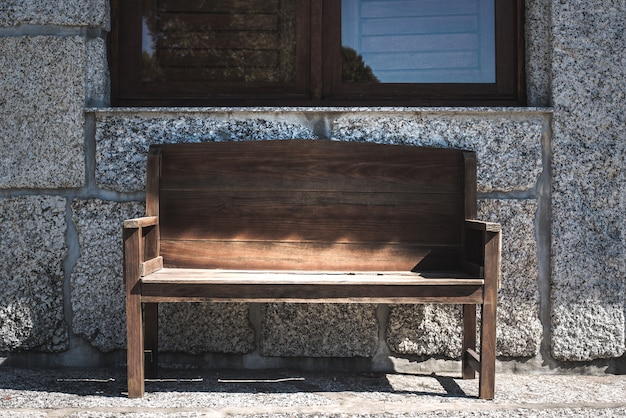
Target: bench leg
{"x":135,"y":352}
{"x":151,"y":339}
{"x":488,"y":323}
{"x":487,"y":352}
{"x":469,"y":340}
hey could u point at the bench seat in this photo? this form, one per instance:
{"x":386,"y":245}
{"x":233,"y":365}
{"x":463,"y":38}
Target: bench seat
{"x":174,"y":284}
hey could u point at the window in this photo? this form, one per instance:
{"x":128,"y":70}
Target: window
{"x":317,"y":52}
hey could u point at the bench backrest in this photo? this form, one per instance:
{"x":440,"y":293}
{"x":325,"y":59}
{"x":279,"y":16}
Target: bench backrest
{"x":310,"y":205}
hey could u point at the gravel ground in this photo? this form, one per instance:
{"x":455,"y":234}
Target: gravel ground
{"x":101,"y":393}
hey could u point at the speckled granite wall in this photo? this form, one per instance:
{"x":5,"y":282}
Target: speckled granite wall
{"x":589,"y":181}
{"x":43,"y":131}
{"x":52,"y":63}
{"x":554,"y":177}
{"x":32,"y":248}
{"x":90,"y":13}
{"x":97,"y":285}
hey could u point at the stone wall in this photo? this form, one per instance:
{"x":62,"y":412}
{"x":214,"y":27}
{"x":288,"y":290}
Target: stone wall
{"x":52,"y":65}
{"x":588,"y":191}
{"x":72,"y":169}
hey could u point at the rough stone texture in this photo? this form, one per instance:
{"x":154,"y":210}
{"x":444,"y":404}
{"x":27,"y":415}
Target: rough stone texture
{"x":98,"y":298}
{"x":42,"y":90}
{"x":435,"y":330}
{"x":205,"y":327}
{"x":122,"y":142}
{"x":32,"y":250}
{"x":319,"y":330}
{"x":519,"y":329}
{"x":588,"y":212}
{"x":508,"y":149}
{"x":98,"y":85}
{"x":537,"y":16}
{"x":92,"y":13}
{"x":425,"y":330}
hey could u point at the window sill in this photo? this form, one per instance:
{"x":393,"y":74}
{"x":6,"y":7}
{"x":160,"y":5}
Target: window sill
{"x":252,"y":110}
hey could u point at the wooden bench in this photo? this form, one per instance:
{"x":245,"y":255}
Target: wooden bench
{"x":310,"y":221}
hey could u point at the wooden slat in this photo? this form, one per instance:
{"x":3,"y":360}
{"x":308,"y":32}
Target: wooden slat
{"x":472,"y":358}
{"x":305,"y":165}
{"x":312,"y":216}
{"x":298,"y":177}
{"x":297,"y":277}
{"x":317,"y":292}
{"x":150,"y":242}
{"x":151,"y":266}
{"x":470,"y":185}
{"x":153,"y":183}
{"x":263,"y":255}
{"x":472,"y":268}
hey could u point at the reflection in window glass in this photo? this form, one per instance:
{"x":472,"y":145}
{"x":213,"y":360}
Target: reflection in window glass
{"x":219,"y":41}
{"x":418,"y":41}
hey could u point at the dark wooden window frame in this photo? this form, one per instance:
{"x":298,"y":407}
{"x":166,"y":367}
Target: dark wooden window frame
{"x":318,"y":69}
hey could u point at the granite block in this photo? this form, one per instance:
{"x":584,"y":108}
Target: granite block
{"x":538,"y":49}
{"x":98,"y":294}
{"x":97,"y":282}
{"x":508,"y":149}
{"x":205,"y":327}
{"x":588,"y":264}
{"x":98,"y":83}
{"x":319,"y":330}
{"x":425,"y":330}
{"x":588,"y":290}
{"x":519,"y":328}
{"x":435,"y":330}
{"x":600,"y":324}
{"x":42,"y":93}
{"x":32,"y":250}
{"x":122,"y":141}
{"x":90,"y":13}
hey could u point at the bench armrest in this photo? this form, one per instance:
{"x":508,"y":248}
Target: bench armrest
{"x":141,"y":248}
{"x":482,"y":225}
{"x":483,"y":249}
{"x":142,"y":222}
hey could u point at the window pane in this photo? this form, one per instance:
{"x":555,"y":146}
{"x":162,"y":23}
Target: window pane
{"x":219,"y":41}
{"x":418,"y":41}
